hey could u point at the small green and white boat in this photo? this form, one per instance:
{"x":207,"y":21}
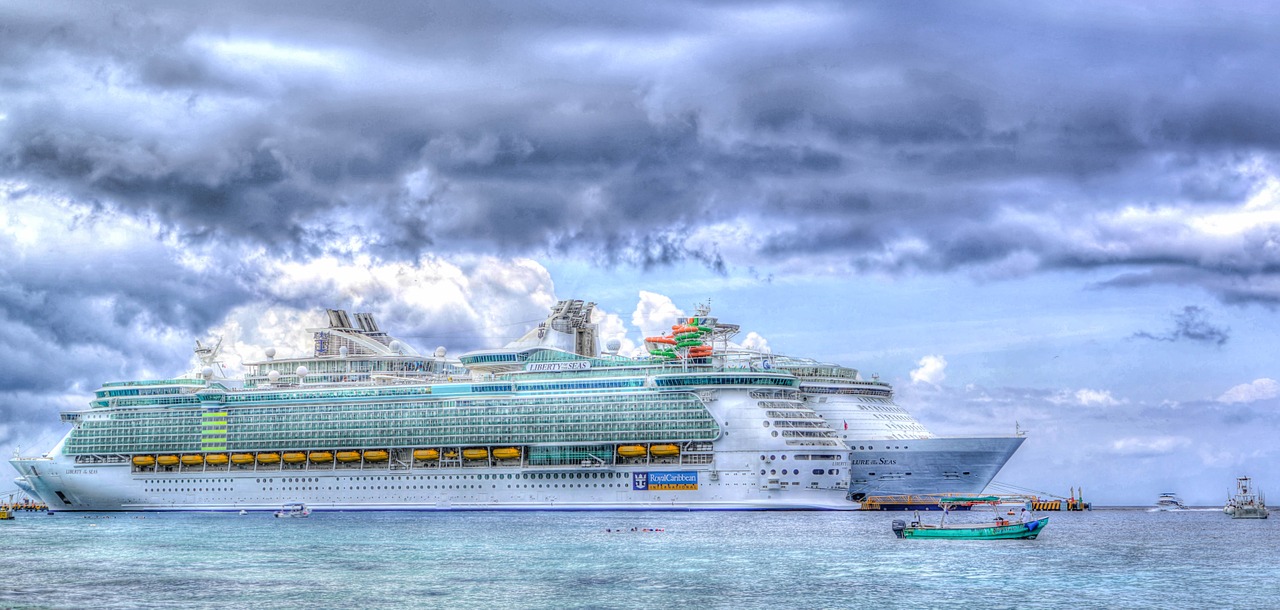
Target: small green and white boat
{"x":1026,"y":526}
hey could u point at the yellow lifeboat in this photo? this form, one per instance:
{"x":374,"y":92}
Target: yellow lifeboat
{"x":506,"y":453}
{"x":426,"y":454}
{"x":215,"y":459}
{"x":475,"y":454}
{"x":167,"y":460}
{"x":375,"y":455}
{"x":321,"y":456}
{"x":268,"y":458}
{"x":144,"y":460}
{"x":348,"y":456}
{"x":664,"y":450}
{"x":451,"y":455}
{"x":192,"y":460}
{"x":631,"y":450}
{"x":295,"y":457}
{"x":242,"y":458}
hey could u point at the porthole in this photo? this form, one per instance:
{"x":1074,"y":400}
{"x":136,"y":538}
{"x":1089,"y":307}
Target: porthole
{"x":766,"y":423}
{"x":775,"y":433}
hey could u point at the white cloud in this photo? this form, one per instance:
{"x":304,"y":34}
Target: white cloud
{"x":611,"y":327}
{"x":654,"y":314}
{"x":1149,"y":446}
{"x":932,"y":370}
{"x":1089,"y":397}
{"x":428,"y":302}
{"x":1260,"y":389}
{"x":754,"y":341}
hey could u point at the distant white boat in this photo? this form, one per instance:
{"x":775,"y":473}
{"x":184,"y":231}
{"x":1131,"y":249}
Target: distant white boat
{"x":1169,"y":501}
{"x":294,"y":510}
{"x":1246,"y":503}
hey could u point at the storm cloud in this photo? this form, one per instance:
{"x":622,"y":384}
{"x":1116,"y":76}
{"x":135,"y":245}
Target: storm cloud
{"x":996,"y":140}
{"x":1191,"y":324}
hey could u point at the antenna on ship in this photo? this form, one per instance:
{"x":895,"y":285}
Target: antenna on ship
{"x":208,"y":357}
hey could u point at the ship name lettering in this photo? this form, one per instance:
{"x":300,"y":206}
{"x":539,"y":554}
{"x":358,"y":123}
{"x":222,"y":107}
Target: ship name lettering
{"x":572,"y":365}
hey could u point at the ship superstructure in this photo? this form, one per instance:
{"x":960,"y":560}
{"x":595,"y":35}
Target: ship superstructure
{"x":367,"y":423}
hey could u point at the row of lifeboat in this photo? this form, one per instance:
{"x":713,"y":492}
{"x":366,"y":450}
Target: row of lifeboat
{"x":317,"y":457}
{"x":633,"y":451}
{"x":369,"y":455}
{"x":266,"y":457}
{"x":472,"y":453}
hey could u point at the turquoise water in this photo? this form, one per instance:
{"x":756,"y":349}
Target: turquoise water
{"x":1104,"y":558}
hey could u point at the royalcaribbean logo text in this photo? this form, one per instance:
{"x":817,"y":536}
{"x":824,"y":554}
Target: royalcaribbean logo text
{"x":664,"y":481}
{"x":879,"y":462}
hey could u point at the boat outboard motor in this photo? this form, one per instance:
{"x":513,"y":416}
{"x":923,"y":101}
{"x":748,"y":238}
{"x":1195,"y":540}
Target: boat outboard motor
{"x":898,"y":526}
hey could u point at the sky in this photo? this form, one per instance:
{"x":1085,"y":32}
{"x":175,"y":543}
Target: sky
{"x":1056,"y":218}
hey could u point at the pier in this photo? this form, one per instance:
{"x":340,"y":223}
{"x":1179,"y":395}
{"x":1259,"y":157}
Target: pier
{"x":1040,"y":501}
{"x":14,"y":504}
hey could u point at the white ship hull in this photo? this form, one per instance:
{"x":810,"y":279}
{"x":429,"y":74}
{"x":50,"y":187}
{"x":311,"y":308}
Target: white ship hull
{"x":931,"y":465}
{"x":67,"y":486}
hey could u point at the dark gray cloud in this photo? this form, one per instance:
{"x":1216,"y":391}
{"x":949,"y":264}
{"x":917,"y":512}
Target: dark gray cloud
{"x":586,"y":130}
{"x":1191,"y":324}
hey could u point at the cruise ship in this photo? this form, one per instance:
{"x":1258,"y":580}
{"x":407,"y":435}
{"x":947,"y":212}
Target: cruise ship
{"x":891,"y":453}
{"x":365,"y":422}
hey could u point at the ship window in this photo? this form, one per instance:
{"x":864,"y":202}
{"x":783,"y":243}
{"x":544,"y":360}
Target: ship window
{"x":784,"y":457}
{"x":773,"y":472}
{"x":818,"y":471}
{"x":775,"y":432}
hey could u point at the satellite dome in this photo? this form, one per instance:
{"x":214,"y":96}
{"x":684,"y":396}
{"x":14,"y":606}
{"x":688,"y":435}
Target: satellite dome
{"x":343,"y":351}
{"x":207,"y":372}
{"x":395,"y":346}
{"x":613,"y":345}
{"x":273,"y":376}
{"x":302,"y":371}
{"x":441,"y":351}
{"x":271,"y":353}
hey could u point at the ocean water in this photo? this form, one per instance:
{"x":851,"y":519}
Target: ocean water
{"x":1097,"y":559}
